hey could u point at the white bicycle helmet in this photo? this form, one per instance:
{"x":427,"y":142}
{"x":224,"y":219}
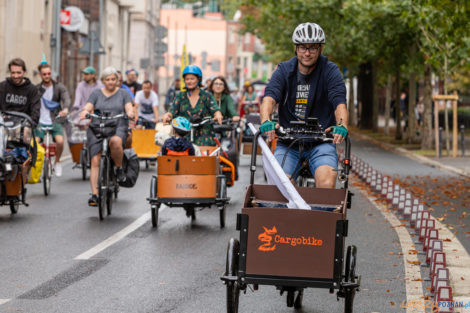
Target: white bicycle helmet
{"x":308,"y":33}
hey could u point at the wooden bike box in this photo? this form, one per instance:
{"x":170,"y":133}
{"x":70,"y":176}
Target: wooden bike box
{"x":187,"y":177}
{"x":291,"y":242}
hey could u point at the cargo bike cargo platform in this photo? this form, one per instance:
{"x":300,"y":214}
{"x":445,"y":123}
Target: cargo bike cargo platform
{"x":292,"y":249}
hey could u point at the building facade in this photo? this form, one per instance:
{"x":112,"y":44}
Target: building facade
{"x":25,"y":31}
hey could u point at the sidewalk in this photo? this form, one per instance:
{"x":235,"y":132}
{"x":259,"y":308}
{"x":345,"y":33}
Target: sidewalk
{"x":459,"y":165}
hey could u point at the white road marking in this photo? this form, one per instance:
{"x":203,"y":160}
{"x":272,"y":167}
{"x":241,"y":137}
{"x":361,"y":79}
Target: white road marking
{"x":413,"y":282}
{"x":3,"y":301}
{"x":116,"y":237}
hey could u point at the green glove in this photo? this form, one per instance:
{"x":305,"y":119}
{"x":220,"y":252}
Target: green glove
{"x":340,"y":130}
{"x":266,"y":126}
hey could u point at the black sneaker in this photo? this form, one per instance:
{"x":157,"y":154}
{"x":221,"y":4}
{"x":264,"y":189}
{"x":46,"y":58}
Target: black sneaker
{"x":93,"y":201}
{"x":120,"y":175}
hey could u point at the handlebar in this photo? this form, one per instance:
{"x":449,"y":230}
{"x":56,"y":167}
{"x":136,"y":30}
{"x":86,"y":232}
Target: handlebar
{"x":18,"y":114}
{"x":304,"y":131}
{"x":105,"y":118}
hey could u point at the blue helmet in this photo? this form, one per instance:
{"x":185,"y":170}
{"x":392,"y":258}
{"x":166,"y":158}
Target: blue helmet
{"x":195,"y":70}
{"x":181,"y":125}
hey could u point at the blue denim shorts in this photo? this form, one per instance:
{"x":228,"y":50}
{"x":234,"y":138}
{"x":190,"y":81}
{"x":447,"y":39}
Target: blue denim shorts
{"x":322,"y":154}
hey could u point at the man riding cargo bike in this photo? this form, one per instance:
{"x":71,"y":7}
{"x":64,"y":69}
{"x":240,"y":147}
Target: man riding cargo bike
{"x":311,"y":96}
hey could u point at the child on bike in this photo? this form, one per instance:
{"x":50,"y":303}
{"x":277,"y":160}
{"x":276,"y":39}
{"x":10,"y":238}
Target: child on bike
{"x":178,"y":145}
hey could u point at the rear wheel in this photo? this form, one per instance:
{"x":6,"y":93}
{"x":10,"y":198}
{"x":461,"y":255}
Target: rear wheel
{"x":14,"y":205}
{"x":84,"y":162}
{"x":109,"y":202}
{"x":47,"y":175}
{"x":231,"y":269}
{"x":222,"y":216}
{"x":102,"y":187}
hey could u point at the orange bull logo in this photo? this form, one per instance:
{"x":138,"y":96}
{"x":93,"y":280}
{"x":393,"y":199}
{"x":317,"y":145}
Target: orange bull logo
{"x":270,"y":238}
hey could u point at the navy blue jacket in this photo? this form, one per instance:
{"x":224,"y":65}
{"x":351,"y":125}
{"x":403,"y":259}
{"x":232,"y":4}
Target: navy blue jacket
{"x":177,"y":144}
{"x":327,"y":90}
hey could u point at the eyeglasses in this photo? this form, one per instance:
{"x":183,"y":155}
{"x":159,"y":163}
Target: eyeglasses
{"x":312,"y":49}
{"x":219,"y":84}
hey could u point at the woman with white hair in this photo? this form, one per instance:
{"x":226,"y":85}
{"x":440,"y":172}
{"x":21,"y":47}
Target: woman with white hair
{"x":111,"y":100}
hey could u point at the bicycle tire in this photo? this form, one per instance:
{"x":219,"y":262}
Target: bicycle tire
{"x":231,"y":269}
{"x":84,"y":162}
{"x":102,"y":187}
{"x":46,"y":176}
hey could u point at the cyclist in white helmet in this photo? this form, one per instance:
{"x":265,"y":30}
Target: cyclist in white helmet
{"x":307,"y":85}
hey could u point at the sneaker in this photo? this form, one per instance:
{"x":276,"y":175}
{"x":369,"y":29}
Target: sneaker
{"x":93,"y":201}
{"x":120,"y":175}
{"x":58,"y":169}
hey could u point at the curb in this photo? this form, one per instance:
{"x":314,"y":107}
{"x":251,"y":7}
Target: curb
{"x":411,"y":155}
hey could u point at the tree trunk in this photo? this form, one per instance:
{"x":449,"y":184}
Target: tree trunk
{"x":427,"y":141}
{"x":352,"y":109}
{"x":411,"y":136}
{"x":398,"y":130}
{"x":365,"y":88}
{"x":375,"y":99}
{"x":388,"y":100}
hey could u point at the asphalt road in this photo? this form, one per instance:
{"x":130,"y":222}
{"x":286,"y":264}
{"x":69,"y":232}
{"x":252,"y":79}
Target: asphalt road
{"x":174,"y":268}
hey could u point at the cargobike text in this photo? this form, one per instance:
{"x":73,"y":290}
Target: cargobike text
{"x":270,"y":239}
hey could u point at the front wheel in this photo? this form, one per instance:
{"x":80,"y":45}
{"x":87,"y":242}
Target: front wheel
{"x":350,"y":276}
{"x":231,"y":269}
{"x":47,"y":175}
{"x":84,"y":162}
{"x":102,"y":187}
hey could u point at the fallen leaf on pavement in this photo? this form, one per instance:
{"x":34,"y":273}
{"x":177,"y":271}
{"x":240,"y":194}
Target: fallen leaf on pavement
{"x":414,"y":262}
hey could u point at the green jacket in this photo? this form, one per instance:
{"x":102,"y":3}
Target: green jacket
{"x":227,"y":107}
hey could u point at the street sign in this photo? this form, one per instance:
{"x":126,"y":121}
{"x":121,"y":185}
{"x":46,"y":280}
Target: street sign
{"x":64,"y":17}
{"x":73,"y":18}
{"x":159,"y":60}
{"x":160,"y":47}
{"x":160,"y":32}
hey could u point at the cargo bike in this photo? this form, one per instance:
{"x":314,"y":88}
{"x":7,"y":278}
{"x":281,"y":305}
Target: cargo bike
{"x":18,"y":149}
{"x":292,"y":249}
{"x":192,"y":182}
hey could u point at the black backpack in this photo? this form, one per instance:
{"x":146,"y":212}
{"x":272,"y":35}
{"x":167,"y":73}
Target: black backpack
{"x":130,"y":166}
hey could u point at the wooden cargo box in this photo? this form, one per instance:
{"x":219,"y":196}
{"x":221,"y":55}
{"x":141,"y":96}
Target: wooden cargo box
{"x":294,"y":243}
{"x":187,"y":177}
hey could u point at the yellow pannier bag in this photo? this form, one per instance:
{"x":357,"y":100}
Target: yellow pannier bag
{"x":36,"y":170}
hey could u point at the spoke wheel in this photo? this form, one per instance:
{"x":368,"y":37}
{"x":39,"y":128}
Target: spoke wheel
{"x":47,"y":176}
{"x":14,"y":205}
{"x":84,"y":162}
{"x":231,"y":269}
{"x":102,"y":187}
